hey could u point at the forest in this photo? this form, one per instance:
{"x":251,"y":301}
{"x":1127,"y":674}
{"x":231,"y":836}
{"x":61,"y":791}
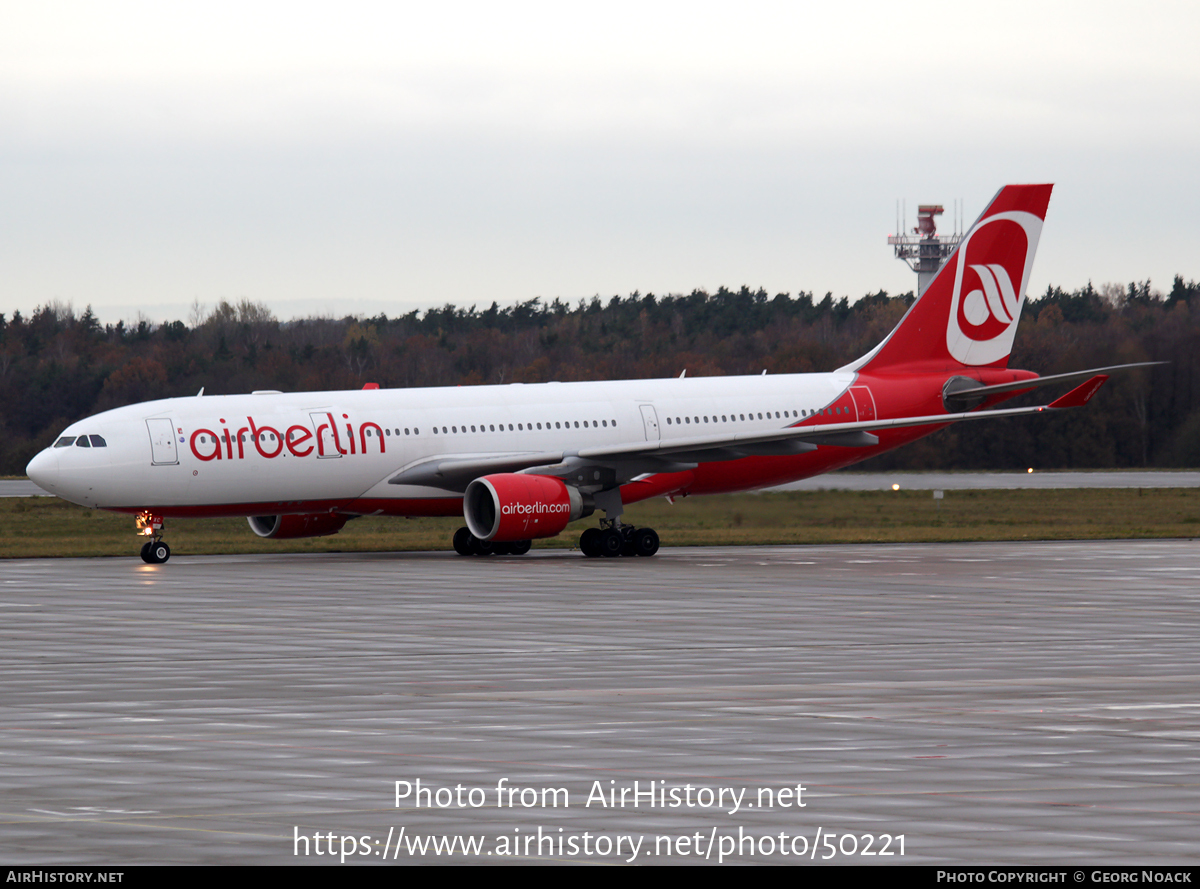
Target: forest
{"x":57,"y":366}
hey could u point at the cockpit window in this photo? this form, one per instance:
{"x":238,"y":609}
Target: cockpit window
{"x":98,"y":442}
{"x":65,"y":441}
{"x":82,"y":442}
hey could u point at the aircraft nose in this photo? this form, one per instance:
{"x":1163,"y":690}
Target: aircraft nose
{"x":43,"y":470}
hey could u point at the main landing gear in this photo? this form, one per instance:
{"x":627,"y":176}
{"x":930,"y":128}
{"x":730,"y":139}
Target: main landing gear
{"x":613,"y":539}
{"x":467,"y":544}
{"x":154,"y":551}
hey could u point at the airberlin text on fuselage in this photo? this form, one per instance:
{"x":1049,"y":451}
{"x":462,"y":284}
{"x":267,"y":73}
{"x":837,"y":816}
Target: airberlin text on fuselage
{"x":270,"y":442}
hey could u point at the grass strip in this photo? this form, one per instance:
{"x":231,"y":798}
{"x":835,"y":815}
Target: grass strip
{"x":43,"y":527}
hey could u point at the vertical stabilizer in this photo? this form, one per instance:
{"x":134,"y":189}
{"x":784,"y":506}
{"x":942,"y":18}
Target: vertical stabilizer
{"x":968,"y":316}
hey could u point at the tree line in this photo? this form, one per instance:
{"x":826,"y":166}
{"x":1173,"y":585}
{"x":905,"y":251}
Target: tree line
{"x":57,"y":366}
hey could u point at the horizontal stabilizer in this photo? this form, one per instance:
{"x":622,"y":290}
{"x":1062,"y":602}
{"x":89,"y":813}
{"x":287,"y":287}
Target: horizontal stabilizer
{"x":1035,"y":382}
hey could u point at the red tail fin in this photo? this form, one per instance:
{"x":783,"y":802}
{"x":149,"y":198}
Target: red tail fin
{"x":968,"y":315}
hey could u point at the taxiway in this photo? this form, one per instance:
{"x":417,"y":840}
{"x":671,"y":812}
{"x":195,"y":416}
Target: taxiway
{"x":991,"y":703}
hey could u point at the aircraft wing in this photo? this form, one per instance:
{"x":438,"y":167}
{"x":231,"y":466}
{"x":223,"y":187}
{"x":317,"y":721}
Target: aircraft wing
{"x":611,"y":465}
{"x":455,"y":473}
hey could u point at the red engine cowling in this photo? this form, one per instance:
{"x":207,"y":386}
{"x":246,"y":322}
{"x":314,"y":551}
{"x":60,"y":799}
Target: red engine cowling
{"x":285,"y":527}
{"x":510,"y":506}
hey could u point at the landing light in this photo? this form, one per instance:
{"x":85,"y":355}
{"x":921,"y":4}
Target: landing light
{"x":895,"y":487}
{"x":147,"y":523}
{"x":1031,"y":470}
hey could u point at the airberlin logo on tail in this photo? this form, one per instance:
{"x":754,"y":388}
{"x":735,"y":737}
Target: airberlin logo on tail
{"x":985,"y":312}
{"x":992,"y":267}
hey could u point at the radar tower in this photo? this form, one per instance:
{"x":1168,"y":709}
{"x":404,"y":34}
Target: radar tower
{"x":924,"y":250}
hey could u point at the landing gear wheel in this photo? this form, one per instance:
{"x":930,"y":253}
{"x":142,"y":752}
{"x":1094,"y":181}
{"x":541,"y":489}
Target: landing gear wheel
{"x":146,"y":553}
{"x":157,"y":553}
{"x":462,"y":541}
{"x":589,"y":542}
{"x":611,"y":542}
{"x":645,"y":542}
{"x":520,"y":547}
{"x":481,"y":547}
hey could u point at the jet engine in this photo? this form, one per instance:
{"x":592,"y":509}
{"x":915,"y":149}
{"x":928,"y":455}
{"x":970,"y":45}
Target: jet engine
{"x":508,"y":507}
{"x":285,"y":527}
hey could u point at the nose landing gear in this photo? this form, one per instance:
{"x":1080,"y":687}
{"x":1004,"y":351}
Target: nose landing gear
{"x":154,"y":551}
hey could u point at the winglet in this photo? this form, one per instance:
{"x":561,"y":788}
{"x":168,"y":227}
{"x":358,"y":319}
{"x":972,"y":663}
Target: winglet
{"x":1081,"y":395}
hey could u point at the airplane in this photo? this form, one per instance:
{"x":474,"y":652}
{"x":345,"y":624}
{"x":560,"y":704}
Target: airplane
{"x":522,"y":461}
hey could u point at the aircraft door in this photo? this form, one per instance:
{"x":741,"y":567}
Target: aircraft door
{"x":329,"y":442}
{"x":162,"y":442}
{"x":864,"y":403}
{"x":650,"y":421}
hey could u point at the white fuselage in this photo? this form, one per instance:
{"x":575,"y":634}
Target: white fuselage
{"x":236,"y":454}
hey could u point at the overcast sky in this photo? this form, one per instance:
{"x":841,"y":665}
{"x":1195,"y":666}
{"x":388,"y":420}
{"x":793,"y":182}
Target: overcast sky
{"x":364,"y":157}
